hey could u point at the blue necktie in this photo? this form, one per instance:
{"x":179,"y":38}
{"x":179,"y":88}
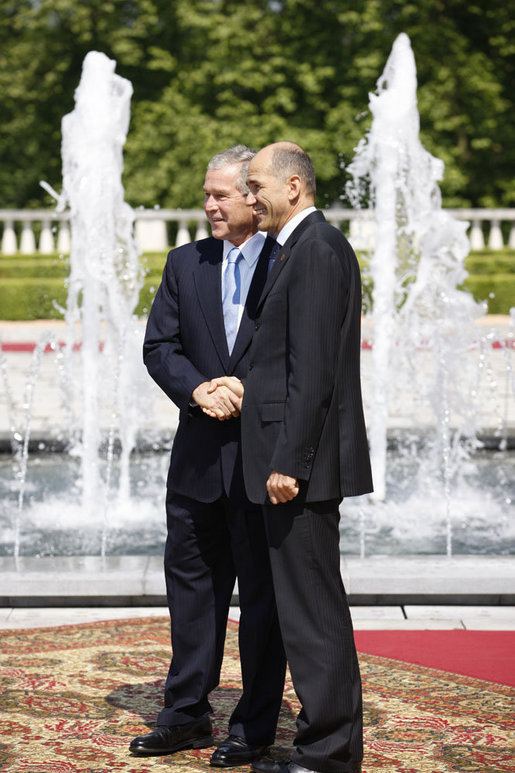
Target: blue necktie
{"x":231,"y":296}
{"x":273,"y":255}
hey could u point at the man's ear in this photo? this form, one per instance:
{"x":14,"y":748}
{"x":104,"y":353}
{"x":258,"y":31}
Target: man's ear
{"x":294,"y":187}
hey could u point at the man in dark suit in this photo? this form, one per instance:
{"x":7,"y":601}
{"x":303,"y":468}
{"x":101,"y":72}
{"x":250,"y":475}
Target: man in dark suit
{"x":200,"y":326}
{"x":305,"y":448}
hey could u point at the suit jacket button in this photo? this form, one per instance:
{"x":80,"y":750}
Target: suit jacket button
{"x":257,"y":325}
{"x":251,"y":365}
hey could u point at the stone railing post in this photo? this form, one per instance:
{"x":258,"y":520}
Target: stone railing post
{"x":495,"y":241}
{"x":27,"y":240}
{"x":63,"y":237}
{"x":151,"y":228}
{"x":201,"y":232}
{"x":477,"y":240}
{"x":46,"y":239}
{"x":9,"y":243}
{"x":183,"y":234}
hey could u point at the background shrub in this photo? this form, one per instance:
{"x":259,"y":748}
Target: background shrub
{"x":34,"y":287}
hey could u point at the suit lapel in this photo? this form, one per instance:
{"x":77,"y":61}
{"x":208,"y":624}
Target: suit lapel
{"x":208,"y":283}
{"x":284,"y":254}
{"x":246,"y":327}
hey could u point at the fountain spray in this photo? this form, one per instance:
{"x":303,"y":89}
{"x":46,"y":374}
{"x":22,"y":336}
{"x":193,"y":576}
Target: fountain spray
{"x":105,"y":276}
{"x":416,"y":267}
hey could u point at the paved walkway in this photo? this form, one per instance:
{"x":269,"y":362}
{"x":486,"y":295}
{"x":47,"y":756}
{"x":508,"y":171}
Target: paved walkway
{"x":494,"y":385}
{"x":409,"y":592}
{"x":365,"y":618}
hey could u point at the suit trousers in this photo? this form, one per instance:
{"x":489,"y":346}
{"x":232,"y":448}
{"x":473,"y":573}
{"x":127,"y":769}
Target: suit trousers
{"x":317,"y":633}
{"x":208,"y":546}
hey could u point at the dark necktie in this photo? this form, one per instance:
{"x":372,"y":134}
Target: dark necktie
{"x":273,"y":255}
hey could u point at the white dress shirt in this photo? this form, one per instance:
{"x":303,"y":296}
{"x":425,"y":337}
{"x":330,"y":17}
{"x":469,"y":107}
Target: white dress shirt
{"x":287,"y":230}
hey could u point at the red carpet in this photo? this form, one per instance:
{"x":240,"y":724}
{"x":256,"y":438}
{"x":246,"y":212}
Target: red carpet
{"x":487,"y":655}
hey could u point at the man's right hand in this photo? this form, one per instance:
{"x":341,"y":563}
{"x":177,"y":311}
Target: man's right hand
{"x":220,"y":398}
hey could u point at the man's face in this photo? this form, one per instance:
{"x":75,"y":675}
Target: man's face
{"x":268,"y":195}
{"x":226,"y":207}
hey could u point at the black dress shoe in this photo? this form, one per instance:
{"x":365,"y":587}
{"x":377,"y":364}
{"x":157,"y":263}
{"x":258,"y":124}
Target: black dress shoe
{"x":236,"y":751}
{"x":271,"y":766}
{"x":283,"y":766}
{"x":166,"y":740}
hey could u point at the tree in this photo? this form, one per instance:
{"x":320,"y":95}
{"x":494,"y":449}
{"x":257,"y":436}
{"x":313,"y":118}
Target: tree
{"x":211,"y":73}
{"x":42,"y":47}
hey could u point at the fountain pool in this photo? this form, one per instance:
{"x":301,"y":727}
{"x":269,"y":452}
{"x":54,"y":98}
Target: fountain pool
{"x":406,"y":524}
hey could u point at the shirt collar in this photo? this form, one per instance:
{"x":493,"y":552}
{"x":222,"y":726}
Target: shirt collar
{"x":251,"y":249}
{"x":287,"y":230}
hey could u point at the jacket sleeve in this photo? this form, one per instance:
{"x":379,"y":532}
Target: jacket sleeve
{"x":317,"y":301}
{"x":163,"y":352}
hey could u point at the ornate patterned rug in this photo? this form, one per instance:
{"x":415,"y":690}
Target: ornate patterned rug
{"x":73,"y":697}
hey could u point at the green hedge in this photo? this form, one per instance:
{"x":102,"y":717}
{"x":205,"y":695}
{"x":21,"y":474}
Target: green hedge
{"x":31,"y":298}
{"x":33,"y":287}
{"x":490,"y":263}
{"x":491,"y":279}
{"x":497,"y":290}
{"x":34,"y":267}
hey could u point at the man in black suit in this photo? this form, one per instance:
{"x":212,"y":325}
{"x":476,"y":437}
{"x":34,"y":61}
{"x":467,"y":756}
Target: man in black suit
{"x":305,"y":448}
{"x":200,"y":326}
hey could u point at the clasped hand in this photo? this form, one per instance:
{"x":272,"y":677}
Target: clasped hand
{"x":220,"y":398}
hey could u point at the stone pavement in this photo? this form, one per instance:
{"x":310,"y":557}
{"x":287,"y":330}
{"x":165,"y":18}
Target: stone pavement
{"x":495,"y":396}
{"x":384,"y":591}
{"x":131,"y":580}
{"x":364,"y":618}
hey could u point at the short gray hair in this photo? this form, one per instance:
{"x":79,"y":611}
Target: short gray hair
{"x":289,"y":159}
{"x":239,"y":154}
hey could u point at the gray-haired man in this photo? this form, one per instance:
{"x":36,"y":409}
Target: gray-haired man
{"x":199,"y":328}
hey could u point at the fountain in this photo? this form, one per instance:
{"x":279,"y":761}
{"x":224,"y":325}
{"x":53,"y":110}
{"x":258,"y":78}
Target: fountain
{"x":105,"y":277}
{"x":103,"y":290}
{"x":415,"y":268}
{"x":436,"y":492}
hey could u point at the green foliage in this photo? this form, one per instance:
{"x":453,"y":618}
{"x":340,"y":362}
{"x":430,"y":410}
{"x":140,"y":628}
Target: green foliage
{"x":32,"y":298}
{"x":211,"y":73}
{"x":491,"y":278}
{"x":44,"y":298}
{"x":497,"y":290}
{"x":153,"y":264}
{"x":34,"y":266}
{"x":490,"y":262}
{"x":34,"y":286}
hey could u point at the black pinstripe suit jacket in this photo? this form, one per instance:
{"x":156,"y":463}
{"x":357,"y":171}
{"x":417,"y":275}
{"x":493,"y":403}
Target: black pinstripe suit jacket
{"x":185,"y":344}
{"x":302,"y":409}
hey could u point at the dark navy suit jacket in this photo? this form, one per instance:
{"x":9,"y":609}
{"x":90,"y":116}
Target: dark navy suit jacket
{"x":185,"y":344}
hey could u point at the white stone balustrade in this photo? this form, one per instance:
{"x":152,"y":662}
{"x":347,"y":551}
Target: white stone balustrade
{"x":18,"y":232}
{"x":151,"y":228}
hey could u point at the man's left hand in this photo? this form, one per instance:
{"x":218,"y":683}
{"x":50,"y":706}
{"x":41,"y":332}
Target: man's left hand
{"x":281,"y":488}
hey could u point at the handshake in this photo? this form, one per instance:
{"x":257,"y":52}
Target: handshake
{"x":220,"y":398}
